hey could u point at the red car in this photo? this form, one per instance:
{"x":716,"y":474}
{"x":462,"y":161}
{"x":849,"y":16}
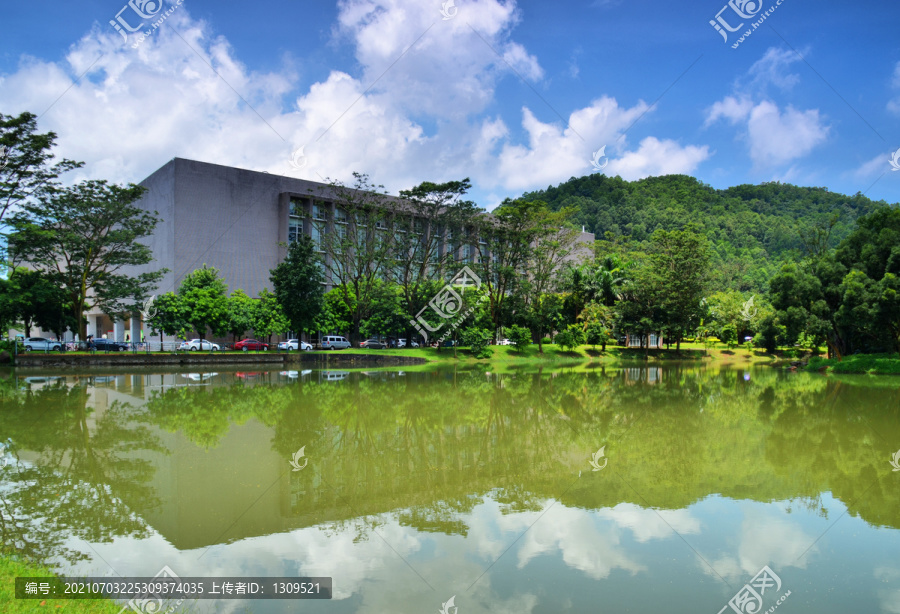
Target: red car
{"x":247,"y":345}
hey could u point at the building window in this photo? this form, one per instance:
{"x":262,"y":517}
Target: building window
{"x":319,"y":211}
{"x":298,"y":208}
{"x":295,"y":229}
{"x":340,"y":215}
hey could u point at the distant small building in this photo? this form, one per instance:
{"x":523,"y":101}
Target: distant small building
{"x":652,"y":340}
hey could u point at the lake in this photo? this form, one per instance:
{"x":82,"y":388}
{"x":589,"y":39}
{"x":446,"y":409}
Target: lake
{"x":681,"y":488}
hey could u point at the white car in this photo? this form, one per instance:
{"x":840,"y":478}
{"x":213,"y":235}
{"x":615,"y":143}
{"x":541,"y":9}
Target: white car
{"x":195,"y":344}
{"x":295,"y":344}
{"x":39,"y":343}
{"x":401,"y":343}
{"x":504,"y":342}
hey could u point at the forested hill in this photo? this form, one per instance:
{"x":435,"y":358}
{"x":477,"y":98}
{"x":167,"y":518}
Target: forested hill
{"x":752,"y":227}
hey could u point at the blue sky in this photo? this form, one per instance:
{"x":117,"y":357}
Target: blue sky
{"x":515,"y":95}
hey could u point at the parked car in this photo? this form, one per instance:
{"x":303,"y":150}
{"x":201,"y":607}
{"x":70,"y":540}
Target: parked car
{"x":246,"y":345}
{"x":295,"y":344}
{"x":504,"y":342}
{"x":195,"y":344}
{"x":107,"y":345}
{"x":401,"y":343}
{"x":334,"y":343}
{"x":39,"y":343}
{"x":372,"y":344}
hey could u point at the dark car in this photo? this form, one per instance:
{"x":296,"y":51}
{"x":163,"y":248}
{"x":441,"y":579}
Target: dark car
{"x":373,"y":344}
{"x":251,"y":345}
{"x":106,"y":345}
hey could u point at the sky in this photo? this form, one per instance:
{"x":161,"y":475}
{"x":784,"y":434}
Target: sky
{"x":516,"y":96}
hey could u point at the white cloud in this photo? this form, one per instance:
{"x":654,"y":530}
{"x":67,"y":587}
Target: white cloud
{"x":414,"y":111}
{"x":772,"y":68}
{"x":774,"y":137}
{"x":777,"y":137}
{"x":655,"y":157}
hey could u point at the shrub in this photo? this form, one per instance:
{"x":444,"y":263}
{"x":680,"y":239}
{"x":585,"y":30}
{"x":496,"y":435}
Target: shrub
{"x":519,"y":336}
{"x":546,"y":341}
{"x":478,"y":340}
{"x":570,"y":338}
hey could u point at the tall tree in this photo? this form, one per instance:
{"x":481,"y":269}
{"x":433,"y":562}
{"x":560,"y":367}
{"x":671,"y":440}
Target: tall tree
{"x":83,"y":238}
{"x":356,"y":243}
{"x":503,"y":243}
{"x":240,"y":313}
{"x":298,"y":283}
{"x":552,"y":244}
{"x":680,"y":269}
{"x":430,"y":214}
{"x":204,"y":299}
{"x":29,"y":297}
{"x":268,"y":317}
{"x":26,"y":169}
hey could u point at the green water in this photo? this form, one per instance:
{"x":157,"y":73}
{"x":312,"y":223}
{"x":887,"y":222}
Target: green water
{"x":420,"y":486}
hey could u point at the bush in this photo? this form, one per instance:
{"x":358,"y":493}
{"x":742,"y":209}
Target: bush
{"x":546,"y":341}
{"x":729,"y":335}
{"x":519,"y":336}
{"x":478,"y":340}
{"x":570,"y":338}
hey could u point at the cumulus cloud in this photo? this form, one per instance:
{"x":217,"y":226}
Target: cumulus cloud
{"x":412,"y":108}
{"x":774,"y":135}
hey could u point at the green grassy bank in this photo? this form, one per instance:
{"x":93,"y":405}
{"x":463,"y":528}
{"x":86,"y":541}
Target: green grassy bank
{"x":876,"y":364}
{"x":10,"y":568}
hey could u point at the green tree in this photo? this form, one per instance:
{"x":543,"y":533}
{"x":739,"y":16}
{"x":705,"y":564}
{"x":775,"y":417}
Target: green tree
{"x":268,"y":317}
{"x":169,"y":316}
{"x":241,"y":313}
{"x":82,"y":238}
{"x":298,"y":283}
{"x":478,"y":341}
{"x":385,"y":314}
{"x":679,"y":271}
{"x":519,"y":336}
{"x":356,"y":242}
{"x":204,"y":301}
{"x":570,"y":338}
{"x":432,"y":214}
{"x":598,"y":321}
{"x":28,"y":296}
{"x":27,"y":170}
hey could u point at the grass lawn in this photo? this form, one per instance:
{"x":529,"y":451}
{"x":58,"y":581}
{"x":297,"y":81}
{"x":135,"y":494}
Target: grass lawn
{"x":875,"y":364}
{"x":11,"y":568}
{"x":584,"y":353}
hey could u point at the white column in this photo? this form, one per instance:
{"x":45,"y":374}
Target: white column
{"x":118,"y":330}
{"x":135,"y":329}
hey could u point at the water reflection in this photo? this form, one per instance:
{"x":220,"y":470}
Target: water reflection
{"x":712,"y":474}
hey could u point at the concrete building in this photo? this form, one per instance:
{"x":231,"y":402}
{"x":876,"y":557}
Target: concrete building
{"x":237,"y":221}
